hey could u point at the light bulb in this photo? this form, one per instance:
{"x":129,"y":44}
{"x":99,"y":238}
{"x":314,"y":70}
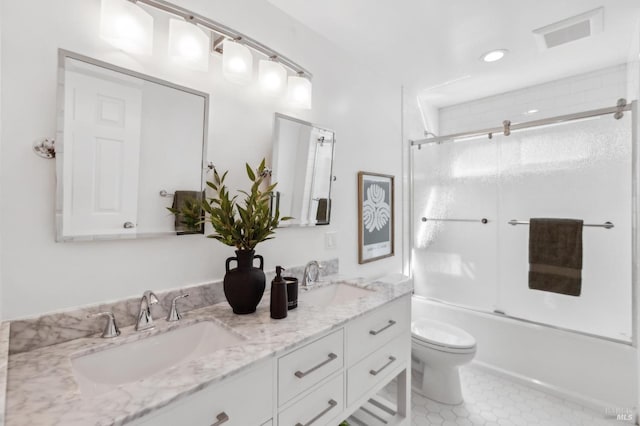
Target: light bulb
{"x":237,"y":62}
{"x":299,"y":92}
{"x":272,"y":77}
{"x":126,"y":26}
{"x":188,"y":45}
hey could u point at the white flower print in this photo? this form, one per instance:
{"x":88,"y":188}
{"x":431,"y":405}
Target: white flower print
{"x":375,"y":211}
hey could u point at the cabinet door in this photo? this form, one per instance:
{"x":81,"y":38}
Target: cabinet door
{"x":308,"y":365}
{"x":319,"y":408}
{"x":376,"y":329}
{"x":245,"y":400}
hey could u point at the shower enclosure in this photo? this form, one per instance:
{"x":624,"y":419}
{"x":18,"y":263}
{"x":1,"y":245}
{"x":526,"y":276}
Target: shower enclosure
{"x":473,"y":196}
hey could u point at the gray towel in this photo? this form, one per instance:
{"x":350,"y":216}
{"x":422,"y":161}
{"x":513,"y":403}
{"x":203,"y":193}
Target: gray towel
{"x":322,"y":214}
{"x":186,"y":199}
{"x":555,"y":255}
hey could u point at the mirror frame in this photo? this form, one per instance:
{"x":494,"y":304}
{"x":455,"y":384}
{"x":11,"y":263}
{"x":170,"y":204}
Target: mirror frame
{"x":332,"y":177}
{"x":67,"y":54}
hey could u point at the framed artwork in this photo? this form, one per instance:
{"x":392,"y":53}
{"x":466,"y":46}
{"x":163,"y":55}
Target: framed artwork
{"x":375,"y":216}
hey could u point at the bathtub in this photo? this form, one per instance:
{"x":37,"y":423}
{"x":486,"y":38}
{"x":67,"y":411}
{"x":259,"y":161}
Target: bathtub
{"x":594,"y":372}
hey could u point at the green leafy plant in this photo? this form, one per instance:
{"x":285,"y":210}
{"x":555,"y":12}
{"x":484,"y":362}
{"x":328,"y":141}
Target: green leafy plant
{"x":190,"y":215}
{"x":246,"y":223}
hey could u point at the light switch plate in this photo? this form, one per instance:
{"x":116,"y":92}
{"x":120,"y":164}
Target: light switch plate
{"x":330,"y":240}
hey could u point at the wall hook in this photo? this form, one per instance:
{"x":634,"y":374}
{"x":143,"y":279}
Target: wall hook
{"x":45,"y":148}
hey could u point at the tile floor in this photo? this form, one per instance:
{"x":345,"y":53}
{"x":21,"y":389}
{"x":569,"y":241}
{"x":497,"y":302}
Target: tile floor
{"x":492,"y":400}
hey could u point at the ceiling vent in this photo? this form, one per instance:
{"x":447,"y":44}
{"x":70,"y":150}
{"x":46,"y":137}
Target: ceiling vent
{"x":570,"y":29}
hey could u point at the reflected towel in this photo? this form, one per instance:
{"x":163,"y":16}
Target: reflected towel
{"x":555,"y":255}
{"x":182,"y":200}
{"x":322,"y":214}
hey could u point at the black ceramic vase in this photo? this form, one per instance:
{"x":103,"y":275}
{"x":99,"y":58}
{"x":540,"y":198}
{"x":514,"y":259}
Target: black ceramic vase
{"x":244,"y":285}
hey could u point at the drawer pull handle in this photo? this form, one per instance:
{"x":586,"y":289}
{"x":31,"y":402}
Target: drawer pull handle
{"x":299,"y":374}
{"x":332,"y":404}
{"x":376,"y":372}
{"x":375,"y":332}
{"x":222,"y":418}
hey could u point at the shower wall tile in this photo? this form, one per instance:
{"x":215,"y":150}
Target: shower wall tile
{"x":597,"y":89}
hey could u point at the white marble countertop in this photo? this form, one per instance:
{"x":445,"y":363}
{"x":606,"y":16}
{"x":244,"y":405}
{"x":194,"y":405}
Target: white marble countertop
{"x":41,"y":389}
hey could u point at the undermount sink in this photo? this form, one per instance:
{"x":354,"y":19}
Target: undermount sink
{"x":333,"y":294}
{"x":101,"y":371}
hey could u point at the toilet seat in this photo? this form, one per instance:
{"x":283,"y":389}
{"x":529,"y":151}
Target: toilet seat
{"x":442,"y":337}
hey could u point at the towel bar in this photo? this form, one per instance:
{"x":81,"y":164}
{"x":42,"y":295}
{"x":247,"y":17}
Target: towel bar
{"x":484,"y":221}
{"x":606,"y":225}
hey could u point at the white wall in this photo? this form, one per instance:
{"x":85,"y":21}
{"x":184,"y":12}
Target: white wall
{"x":39,"y":275}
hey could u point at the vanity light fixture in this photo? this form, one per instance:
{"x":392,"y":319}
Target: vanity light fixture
{"x":126,"y":26}
{"x":272,"y":77}
{"x":188,"y":44}
{"x":299,"y":92}
{"x":494,"y":55}
{"x":237,"y":62}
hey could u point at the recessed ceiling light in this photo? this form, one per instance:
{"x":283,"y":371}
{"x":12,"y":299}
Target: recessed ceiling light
{"x":494,"y":55}
{"x":531,"y":111}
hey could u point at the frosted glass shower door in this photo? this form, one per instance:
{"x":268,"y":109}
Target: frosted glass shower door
{"x":455,"y":261}
{"x":579,"y":170}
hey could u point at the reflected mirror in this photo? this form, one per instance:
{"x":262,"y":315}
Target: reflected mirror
{"x":303,"y":167}
{"x":128,"y":147}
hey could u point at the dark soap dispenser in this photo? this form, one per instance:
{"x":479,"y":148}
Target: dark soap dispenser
{"x":278,"y":295}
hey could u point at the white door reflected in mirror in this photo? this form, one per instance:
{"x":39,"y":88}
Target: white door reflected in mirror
{"x":125,"y":138}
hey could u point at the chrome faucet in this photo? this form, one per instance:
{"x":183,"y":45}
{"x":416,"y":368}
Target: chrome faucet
{"x":145,"y":321}
{"x":174,"y":314}
{"x":307,"y":277}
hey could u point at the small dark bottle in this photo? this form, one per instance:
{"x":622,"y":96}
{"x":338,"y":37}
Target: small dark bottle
{"x":292,"y":292}
{"x":278,"y":295}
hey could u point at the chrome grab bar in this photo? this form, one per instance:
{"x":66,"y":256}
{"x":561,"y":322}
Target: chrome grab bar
{"x":606,"y":225}
{"x":332,"y":404}
{"x":376,"y":372}
{"x":299,"y":374}
{"x":376,"y":332}
{"x":221,"y":418}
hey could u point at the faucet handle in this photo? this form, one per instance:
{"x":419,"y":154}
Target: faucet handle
{"x":174,"y":315}
{"x":111,"y":328}
{"x":152,"y":299}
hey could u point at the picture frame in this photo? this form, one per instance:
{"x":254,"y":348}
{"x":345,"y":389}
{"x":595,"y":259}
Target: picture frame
{"x":376,"y":216}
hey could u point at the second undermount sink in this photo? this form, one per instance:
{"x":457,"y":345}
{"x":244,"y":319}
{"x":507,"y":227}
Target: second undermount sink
{"x":101,"y":371}
{"x":333,"y":294}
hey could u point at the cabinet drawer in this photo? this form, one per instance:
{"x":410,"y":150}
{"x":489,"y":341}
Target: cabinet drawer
{"x":318,"y":408}
{"x":223,"y":404}
{"x":377,"y":328}
{"x":376,"y":368}
{"x":304,"y":367}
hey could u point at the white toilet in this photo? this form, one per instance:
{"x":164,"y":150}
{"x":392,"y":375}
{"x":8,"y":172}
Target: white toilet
{"x":441,"y":348}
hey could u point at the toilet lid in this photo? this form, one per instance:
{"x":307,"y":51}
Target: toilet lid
{"x":441,"y":334}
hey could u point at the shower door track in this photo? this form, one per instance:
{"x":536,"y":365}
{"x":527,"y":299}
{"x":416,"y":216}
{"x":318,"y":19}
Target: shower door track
{"x":507,"y":127}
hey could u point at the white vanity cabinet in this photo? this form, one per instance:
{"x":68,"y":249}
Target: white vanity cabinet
{"x":242,"y":400}
{"x":334,"y":377}
{"x":330,"y":380}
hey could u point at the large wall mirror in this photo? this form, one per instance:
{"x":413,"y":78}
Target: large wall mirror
{"x":303,"y":167}
{"x":128,"y":147}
